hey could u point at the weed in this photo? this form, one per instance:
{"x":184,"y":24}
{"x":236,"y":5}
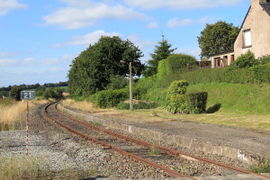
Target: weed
{"x":263,"y":167}
{"x":97,"y":123}
{"x":153,"y":152}
{"x":12,"y":168}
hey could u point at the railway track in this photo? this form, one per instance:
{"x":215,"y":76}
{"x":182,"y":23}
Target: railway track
{"x":127,"y":146}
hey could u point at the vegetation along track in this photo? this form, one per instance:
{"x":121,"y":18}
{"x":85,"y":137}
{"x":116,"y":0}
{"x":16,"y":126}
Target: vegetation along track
{"x":137,"y":149}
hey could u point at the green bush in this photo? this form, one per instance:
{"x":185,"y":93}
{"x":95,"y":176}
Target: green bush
{"x":197,"y":102}
{"x":179,"y":102}
{"x":261,"y":73}
{"x":178,"y":87}
{"x":264,"y":59}
{"x":176,"y":63}
{"x":109,"y":98}
{"x":245,"y":61}
{"x":139,"y":105}
{"x":55,"y":93}
{"x":117,"y":82}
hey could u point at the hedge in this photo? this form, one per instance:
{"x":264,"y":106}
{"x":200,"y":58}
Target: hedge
{"x":176,"y":63}
{"x":109,"y":98}
{"x":180,"y":102}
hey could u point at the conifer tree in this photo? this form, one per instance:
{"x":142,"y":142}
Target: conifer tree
{"x":162,"y":51}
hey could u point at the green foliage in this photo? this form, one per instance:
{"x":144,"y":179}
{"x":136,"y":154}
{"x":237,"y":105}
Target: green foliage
{"x":264,"y":60}
{"x":179,"y":102}
{"x":162,"y":51}
{"x":261,"y":73}
{"x":7,"y":102}
{"x":176,"y":63}
{"x":139,"y":105}
{"x":250,"y":98}
{"x":198,"y":102}
{"x":178,"y":87}
{"x":245,"y":61}
{"x":117,"y":82}
{"x":263,"y":167}
{"x":3,"y":93}
{"x":92,"y":70}
{"x":217,"y":38}
{"x":109,"y":98}
{"x":55,"y":93}
{"x":15,"y":93}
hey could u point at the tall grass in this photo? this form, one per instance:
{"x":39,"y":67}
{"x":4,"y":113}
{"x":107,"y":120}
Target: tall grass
{"x":12,"y":114}
{"x":14,"y":168}
{"x":81,"y":105}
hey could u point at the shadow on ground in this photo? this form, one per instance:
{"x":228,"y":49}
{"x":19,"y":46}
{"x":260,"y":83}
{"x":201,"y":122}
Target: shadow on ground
{"x":214,"y":108}
{"x":94,"y":178}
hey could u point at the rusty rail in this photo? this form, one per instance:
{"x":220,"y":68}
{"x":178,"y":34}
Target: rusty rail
{"x":164,"y":149}
{"x":140,"y":159}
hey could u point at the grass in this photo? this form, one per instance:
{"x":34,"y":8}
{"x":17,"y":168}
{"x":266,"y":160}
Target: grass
{"x":263,"y":167}
{"x":153,"y":152}
{"x":12,"y":114}
{"x":30,"y":168}
{"x":237,"y":98}
{"x":13,"y":168}
{"x":81,"y":105}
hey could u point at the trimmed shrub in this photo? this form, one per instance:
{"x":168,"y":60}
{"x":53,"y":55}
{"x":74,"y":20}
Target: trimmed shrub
{"x":176,"y":63}
{"x":109,"y":98}
{"x":197,"y":102}
{"x":245,"y":61}
{"x":178,"y":87}
{"x":261,"y":73}
{"x":179,"y":102}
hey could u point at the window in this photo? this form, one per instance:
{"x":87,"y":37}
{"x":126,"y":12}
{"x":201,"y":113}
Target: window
{"x":247,"y":38}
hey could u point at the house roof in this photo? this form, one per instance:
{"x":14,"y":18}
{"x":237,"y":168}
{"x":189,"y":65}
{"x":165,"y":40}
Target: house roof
{"x":245,"y":18}
{"x":266,"y":8}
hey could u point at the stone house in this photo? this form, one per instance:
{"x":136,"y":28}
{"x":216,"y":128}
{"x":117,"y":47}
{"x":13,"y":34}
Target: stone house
{"x":254,"y":35}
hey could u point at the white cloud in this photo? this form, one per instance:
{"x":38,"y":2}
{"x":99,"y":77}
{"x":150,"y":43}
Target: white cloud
{"x":152,"y":25}
{"x":87,"y":39}
{"x":175,"y":22}
{"x":8,"y":5}
{"x":139,"y":42}
{"x":7,"y":62}
{"x":86,"y":13}
{"x":180,"y":4}
{"x":6,"y":54}
{"x":28,"y":60}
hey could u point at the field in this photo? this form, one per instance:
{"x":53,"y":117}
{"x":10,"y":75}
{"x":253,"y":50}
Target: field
{"x":12,"y":114}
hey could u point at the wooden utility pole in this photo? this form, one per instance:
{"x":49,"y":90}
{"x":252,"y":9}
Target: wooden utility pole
{"x":130,"y":87}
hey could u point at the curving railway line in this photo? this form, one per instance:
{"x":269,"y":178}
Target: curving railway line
{"x":127,"y":146}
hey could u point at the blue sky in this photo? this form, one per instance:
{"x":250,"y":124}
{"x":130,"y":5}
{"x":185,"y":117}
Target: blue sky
{"x":39,"y":39}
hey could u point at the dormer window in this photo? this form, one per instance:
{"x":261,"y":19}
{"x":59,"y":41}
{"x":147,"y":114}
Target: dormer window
{"x":247,"y":38}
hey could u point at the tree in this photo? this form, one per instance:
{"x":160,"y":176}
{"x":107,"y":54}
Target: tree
{"x":15,"y":92}
{"x":92,"y":70}
{"x":162,"y":51}
{"x":217,"y":38}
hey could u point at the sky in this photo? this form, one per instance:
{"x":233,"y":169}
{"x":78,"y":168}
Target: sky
{"x":39,"y":39}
